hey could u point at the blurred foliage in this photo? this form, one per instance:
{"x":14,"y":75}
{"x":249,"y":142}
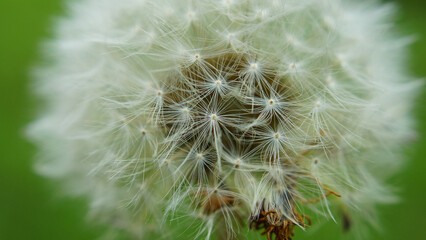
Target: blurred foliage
{"x":31,"y":208}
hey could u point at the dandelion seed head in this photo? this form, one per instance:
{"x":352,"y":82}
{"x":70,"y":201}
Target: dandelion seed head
{"x":208,"y":112}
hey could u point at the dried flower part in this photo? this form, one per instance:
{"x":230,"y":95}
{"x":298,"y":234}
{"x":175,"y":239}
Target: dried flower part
{"x":224,"y":114}
{"x":277,"y":224}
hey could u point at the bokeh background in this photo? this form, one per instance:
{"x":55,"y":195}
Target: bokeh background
{"x":32,"y":208}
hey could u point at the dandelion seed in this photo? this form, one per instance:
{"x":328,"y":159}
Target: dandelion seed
{"x":318,"y":103}
{"x":197,"y":57}
{"x":254,"y":67}
{"x":185,"y":110}
{"x":191,"y":16}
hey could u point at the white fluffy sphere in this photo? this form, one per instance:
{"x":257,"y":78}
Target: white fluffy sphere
{"x":225,"y":113}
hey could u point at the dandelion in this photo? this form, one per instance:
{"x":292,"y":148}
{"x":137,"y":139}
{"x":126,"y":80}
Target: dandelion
{"x":217,"y":116}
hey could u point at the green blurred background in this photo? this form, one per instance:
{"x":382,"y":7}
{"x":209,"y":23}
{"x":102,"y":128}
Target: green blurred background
{"x":31,"y":208}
